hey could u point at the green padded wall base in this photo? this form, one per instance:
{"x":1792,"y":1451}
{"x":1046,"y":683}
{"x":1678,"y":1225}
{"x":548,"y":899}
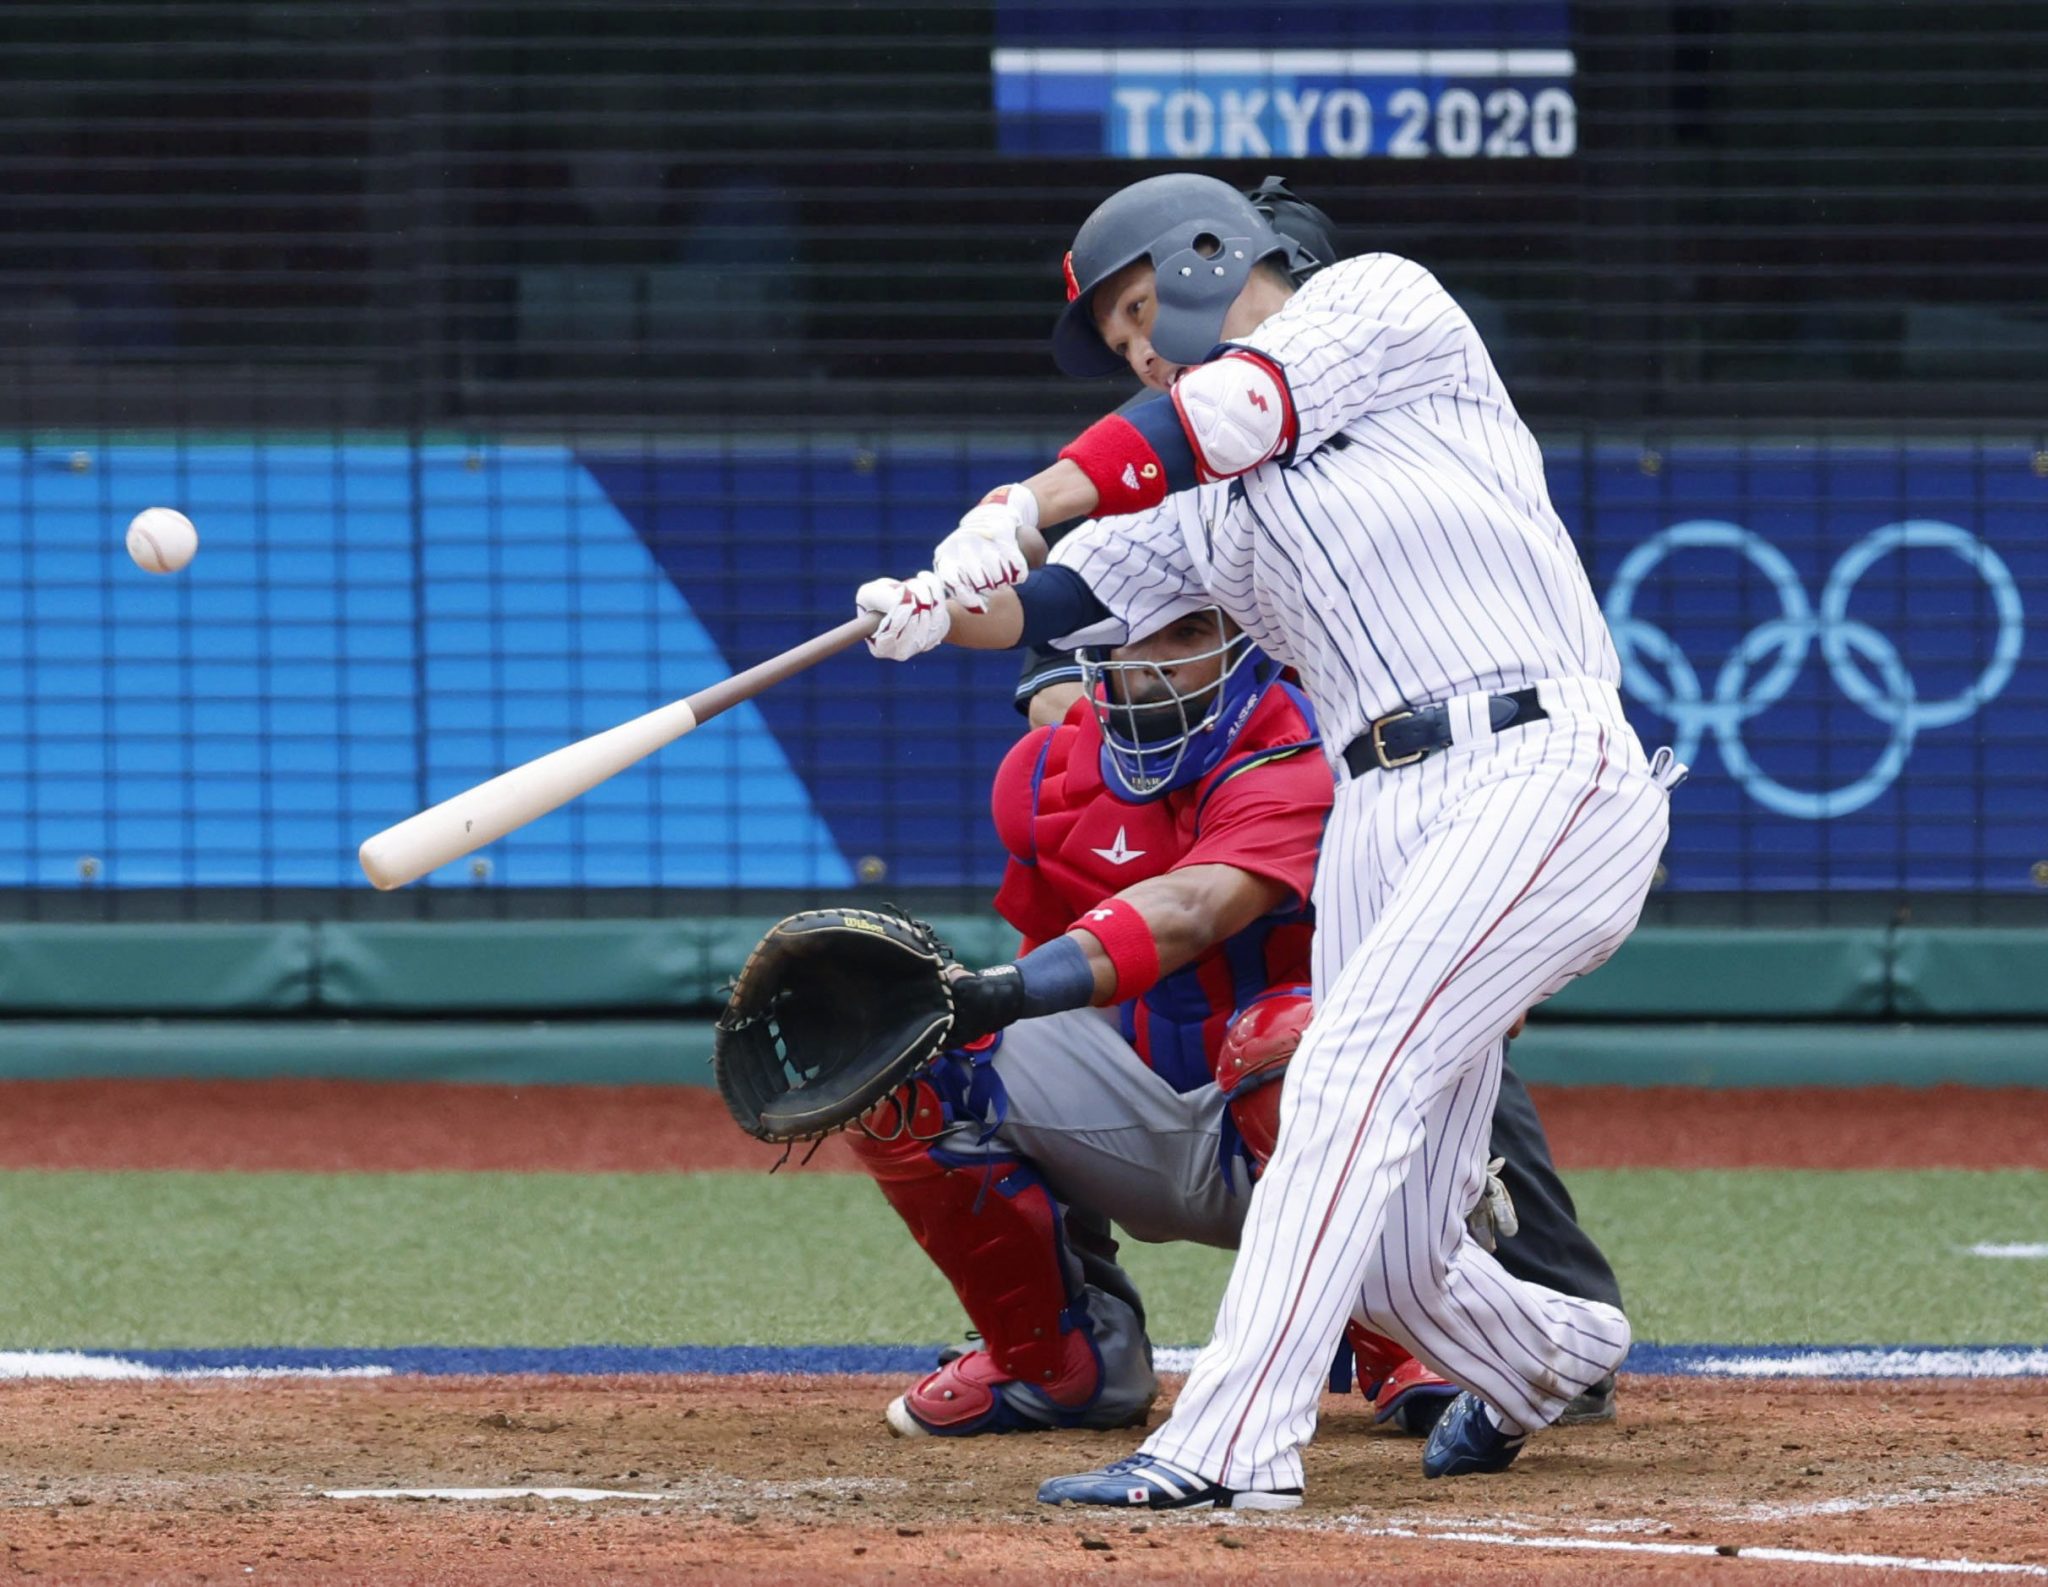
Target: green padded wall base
{"x":522,"y":967}
{"x":1980,"y":974}
{"x":564,"y":966}
{"x":1677,"y":972}
{"x":641,"y":1052}
{"x":577,"y":968}
{"x":1729,"y":1055}
{"x":496,"y":1052}
{"x":504,"y":968}
{"x":156,"y":969}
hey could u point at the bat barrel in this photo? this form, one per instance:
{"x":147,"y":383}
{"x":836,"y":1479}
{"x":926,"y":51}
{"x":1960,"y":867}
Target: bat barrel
{"x":485,"y":813}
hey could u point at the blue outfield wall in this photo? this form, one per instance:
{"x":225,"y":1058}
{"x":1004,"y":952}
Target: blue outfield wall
{"x":1842,"y":641}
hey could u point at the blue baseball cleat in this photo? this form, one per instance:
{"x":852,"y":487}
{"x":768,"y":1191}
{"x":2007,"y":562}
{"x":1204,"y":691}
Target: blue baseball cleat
{"x":1143,"y":1482}
{"x":1465,"y":1442}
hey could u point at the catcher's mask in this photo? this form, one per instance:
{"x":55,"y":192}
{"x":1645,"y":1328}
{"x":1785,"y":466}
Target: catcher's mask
{"x":1158,"y":735}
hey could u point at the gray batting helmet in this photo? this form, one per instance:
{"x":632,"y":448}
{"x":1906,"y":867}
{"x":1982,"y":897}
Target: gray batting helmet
{"x":1203,"y":238}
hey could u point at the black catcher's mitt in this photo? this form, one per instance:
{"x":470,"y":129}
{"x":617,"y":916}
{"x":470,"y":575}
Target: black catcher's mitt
{"x":835,"y":1009}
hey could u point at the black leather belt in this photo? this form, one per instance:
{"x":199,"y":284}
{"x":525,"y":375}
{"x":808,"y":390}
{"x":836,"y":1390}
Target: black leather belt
{"x":1402,"y":738}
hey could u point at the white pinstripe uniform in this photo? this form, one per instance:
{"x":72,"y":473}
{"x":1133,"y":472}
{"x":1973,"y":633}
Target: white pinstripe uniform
{"x":1408,"y":554}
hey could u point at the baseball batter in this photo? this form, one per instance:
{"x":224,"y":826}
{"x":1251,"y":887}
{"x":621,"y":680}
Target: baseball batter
{"x":1341,"y":469}
{"x":1189,"y":791}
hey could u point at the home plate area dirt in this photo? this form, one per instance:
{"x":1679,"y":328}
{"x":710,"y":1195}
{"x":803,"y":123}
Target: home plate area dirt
{"x":795,"y":1480}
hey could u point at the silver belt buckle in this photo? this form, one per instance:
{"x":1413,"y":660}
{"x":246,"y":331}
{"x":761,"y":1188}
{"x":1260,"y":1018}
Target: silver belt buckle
{"x":1379,"y":743}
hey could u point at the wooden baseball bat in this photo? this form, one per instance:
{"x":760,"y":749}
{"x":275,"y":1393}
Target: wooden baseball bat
{"x":485,"y":813}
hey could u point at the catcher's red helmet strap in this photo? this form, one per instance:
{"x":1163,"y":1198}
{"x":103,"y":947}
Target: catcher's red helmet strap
{"x":1067,"y":268}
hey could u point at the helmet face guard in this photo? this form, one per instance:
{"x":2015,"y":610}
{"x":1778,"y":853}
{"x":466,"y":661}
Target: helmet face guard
{"x":1204,"y":239}
{"x":1156,"y":736}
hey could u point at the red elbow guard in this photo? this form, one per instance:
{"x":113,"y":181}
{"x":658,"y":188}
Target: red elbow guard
{"x":1120,"y":463}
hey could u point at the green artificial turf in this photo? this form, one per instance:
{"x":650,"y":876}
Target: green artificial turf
{"x":1753,"y":1257}
{"x":143,"y":1260}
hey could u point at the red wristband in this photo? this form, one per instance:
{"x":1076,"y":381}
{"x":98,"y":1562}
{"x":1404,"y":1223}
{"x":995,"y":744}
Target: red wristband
{"x":1120,"y":464}
{"x":1132,"y":949}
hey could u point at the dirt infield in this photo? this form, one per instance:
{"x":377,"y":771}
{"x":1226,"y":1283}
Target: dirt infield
{"x":362,"y":1126}
{"x":763,"y":1480}
{"x":795,"y":1480}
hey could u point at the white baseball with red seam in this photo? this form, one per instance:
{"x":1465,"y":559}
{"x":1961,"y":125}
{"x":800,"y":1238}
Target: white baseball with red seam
{"x":162,"y":540}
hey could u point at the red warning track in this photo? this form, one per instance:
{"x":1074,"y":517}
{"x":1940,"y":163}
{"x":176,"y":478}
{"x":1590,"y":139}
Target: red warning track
{"x":342,"y":1126}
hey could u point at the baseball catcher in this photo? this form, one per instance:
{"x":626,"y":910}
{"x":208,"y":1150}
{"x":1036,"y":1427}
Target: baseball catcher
{"x":1162,"y":837}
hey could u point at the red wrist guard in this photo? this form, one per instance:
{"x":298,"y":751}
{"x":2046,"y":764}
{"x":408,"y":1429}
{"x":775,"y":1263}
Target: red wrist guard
{"x":1120,"y":463}
{"x":1129,"y":942}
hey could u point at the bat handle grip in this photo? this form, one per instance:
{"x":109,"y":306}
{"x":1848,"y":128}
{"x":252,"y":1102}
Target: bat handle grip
{"x":729,"y":692}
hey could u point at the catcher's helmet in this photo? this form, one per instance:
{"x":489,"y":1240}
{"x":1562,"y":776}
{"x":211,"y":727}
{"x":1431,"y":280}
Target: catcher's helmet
{"x":1299,"y":222}
{"x":1203,"y":238}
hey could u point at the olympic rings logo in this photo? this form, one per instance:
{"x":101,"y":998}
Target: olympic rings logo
{"x":1760,"y":671}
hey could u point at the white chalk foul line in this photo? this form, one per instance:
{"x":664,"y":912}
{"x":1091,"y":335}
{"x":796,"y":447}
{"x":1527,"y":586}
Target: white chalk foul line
{"x":2036,"y":1251}
{"x":576,"y":1495}
{"x":1782,"y":1556}
{"x":80,"y":1365}
{"x":1964,"y":1363}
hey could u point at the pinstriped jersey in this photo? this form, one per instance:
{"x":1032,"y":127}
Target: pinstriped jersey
{"x":1074,"y":841}
{"x":1405,"y":551}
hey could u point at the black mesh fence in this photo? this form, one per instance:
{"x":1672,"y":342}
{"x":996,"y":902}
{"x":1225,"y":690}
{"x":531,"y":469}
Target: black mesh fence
{"x":525,"y":364}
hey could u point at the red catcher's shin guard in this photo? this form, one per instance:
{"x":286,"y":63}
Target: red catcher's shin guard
{"x":1256,"y":1113}
{"x":992,"y":1227}
{"x":1411,"y":1395}
{"x":1375,"y":1357}
{"x":1251,"y":1067}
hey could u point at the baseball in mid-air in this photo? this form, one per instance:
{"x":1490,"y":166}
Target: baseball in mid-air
{"x":162,"y":540}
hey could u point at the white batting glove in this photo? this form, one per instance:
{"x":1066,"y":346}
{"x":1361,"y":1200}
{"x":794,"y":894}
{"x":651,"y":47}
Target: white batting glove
{"x":913,"y":613}
{"x":982,"y":555}
{"x":1493,"y":1220}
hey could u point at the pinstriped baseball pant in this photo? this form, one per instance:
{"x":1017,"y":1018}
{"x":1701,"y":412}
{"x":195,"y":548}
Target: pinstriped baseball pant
{"x":1450,"y":897}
